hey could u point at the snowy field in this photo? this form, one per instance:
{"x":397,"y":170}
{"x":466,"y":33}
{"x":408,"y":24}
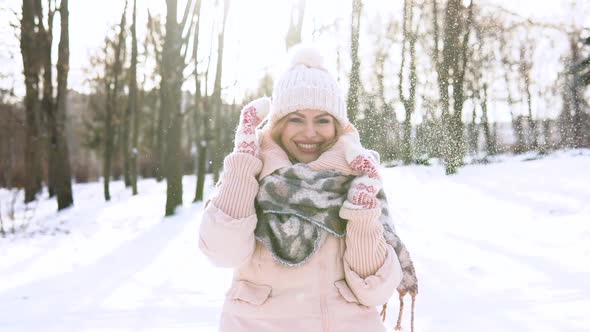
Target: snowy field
{"x":498,"y":247}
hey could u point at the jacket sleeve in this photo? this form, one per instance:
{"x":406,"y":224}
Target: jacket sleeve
{"x":226,"y":234}
{"x":371,"y":267}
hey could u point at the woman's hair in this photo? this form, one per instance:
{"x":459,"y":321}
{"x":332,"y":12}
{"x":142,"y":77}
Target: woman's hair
{"x":277,"y":128}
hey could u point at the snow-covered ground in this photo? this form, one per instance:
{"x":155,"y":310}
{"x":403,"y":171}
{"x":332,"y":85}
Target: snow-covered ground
{"x":497,"y":247}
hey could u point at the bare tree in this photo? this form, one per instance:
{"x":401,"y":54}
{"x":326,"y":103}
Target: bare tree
{"x":482,"y":68}
{"x":112,"y":92}
{"x":489,"y":134}
{"x":48,"y":104}
{"x":410,"y":33}
{"x":133,"y":110}
{"x":154,"y":46}
{"x":451,"y":72}
{"x":63,"y":178}
{"x":295,"y":24}
{"x":355,"y":80}
{"x":32,"y":62}
{"x":124,"y":135}
{"x":508,"y":64}
{"x":173,"y":64}
{"x":582,"y":67}
{"x":12,"y":145}
{"x":171,"y":98}
{"x":200,"y":122}
{"x":216,"y":99}
{"x":155,"y":36}
{"x":575,"y":93}
{"x":381,"y":121}
{"x":207,"y":123}
{"x":525,"y":67}
{"x":546,"y":96}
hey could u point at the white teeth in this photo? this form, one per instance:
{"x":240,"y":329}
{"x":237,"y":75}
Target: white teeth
{"x":309,"y":146}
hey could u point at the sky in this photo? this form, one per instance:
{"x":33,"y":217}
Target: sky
{"x":254,"y":34}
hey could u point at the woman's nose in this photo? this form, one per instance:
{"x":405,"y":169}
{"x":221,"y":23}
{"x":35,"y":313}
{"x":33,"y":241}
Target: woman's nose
{"x":310,"y":130}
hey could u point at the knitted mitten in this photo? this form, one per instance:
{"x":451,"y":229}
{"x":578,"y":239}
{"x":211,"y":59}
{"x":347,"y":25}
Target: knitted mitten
{"x":364,"y":188}
{"x":250,"y":117}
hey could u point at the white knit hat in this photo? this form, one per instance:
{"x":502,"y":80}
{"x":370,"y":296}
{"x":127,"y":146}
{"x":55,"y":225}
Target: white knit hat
{"x":307,"y":85}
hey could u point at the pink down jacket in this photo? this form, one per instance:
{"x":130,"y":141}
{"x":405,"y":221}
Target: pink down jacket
{"x":325,"y":295}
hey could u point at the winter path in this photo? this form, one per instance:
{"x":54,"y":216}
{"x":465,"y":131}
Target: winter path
{"x":149,"y":281}
{"x":500,"y":247}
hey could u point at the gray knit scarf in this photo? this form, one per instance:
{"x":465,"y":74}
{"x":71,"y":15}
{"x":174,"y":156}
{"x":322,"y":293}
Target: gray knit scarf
{"x":296,"y":204}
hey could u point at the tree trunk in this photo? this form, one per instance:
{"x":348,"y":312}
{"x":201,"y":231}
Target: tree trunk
{"x":160,"y":114}
{"x":517,"y":125}
{"x":174,"y":164}
{"x":126,"y":149}
{"x":295,"y":24}
{"x":576,"y":95}
{"x":384,"y":112}
{"x":125,"y":146}
{"x":31,"y":66}
{"x":442,"y":69}
{"x":532,"y":124}
{"x":217,"y":102}
{"x":159,"y":166}
{"x":525,"y":72}
{"x":547,"y":143}
{"x":203,"y":145}
{"x":133,"y":109}
{"x":112,"y":101}
{"x":63,"y":178}
{"x":490,"y":144}
{"x":455,"y":59}
{"x":171,"y":99}
{"x":200,"y":135}
{"x":409,"y":36}
{"x":108,"y":141}
{"x":355,"y":83}
{"x":230,"y":119}
{"x":473,"y":134}
{"x":48,"y":106}
{"x":519,"y":141}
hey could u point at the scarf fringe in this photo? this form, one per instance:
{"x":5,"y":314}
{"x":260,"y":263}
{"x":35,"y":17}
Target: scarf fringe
{"x":398,"y":325}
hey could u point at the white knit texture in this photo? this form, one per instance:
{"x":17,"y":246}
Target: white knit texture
{"x":308,"y":56}
{"x":307,"y":85}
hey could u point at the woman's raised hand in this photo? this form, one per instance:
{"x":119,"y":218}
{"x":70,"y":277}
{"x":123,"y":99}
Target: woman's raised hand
{"x":250,"y":117}
{"x":364,"y":188}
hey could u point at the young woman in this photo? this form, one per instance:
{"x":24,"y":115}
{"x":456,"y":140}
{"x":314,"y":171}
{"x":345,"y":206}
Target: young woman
{"x":300,"y":215}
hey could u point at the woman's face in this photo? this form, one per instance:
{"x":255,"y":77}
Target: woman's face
{"x":307,"y":134}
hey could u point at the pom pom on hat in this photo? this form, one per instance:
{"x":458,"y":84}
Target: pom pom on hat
{"x":308,"y":56}
{"x":307,"y":85}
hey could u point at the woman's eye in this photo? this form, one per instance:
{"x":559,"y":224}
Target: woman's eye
{"x":324,"y":121}
{"x":295,"y":120}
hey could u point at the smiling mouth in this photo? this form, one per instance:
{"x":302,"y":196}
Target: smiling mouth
{"x":308,"y":148}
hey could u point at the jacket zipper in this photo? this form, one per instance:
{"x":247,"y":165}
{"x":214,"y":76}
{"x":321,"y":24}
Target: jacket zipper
{"x":323,"y":305}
